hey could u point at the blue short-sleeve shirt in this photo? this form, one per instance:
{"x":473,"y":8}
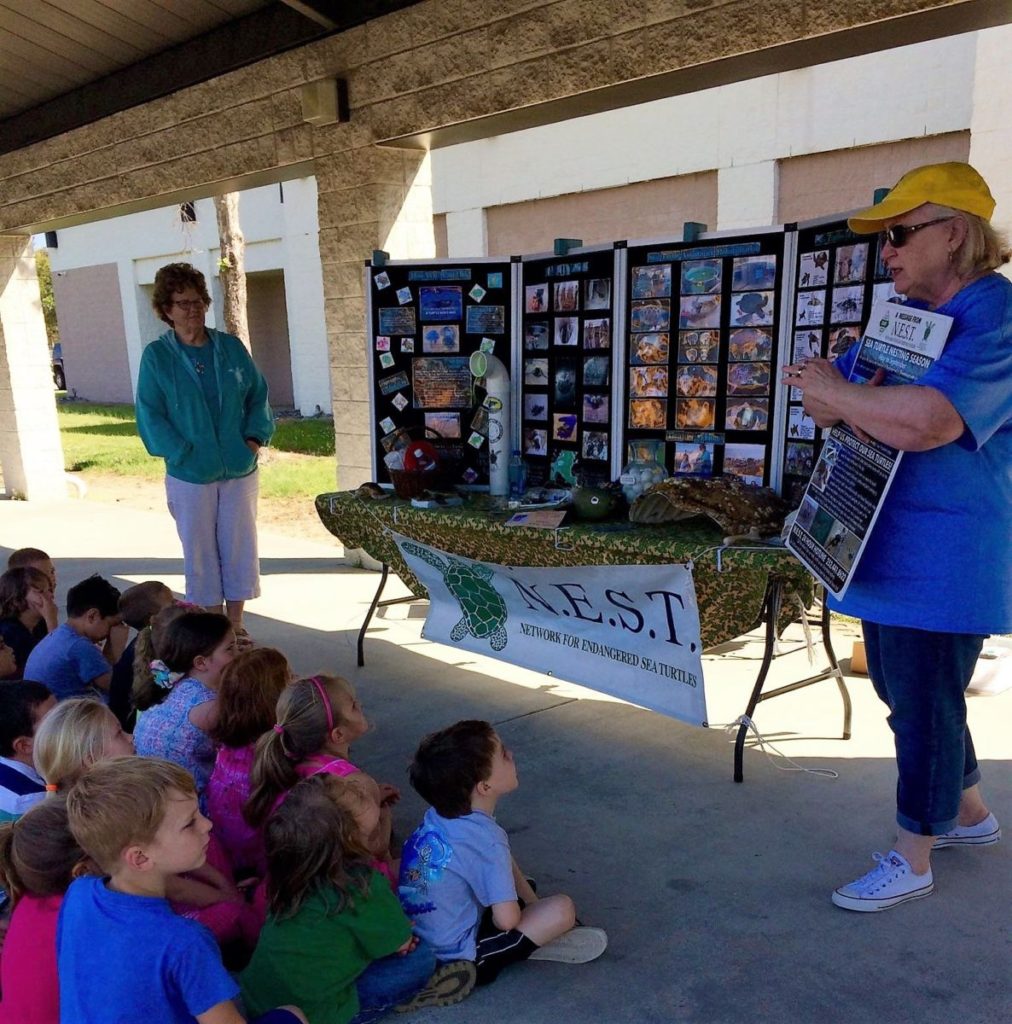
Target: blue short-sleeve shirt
{"x":938,"y":555}
{"x":451,"y":870}
{"x":67,"y":663}
{"x":126,"y":959}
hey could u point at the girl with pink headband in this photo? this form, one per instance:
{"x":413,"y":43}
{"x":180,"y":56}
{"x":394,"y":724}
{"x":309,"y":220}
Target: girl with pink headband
{"x":318,"y":718}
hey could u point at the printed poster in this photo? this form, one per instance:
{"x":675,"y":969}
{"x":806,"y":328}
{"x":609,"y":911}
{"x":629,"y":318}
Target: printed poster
{"x":852,"y":476}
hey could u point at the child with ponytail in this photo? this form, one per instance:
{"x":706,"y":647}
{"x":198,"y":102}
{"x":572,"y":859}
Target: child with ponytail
{"x":336,"y":942}
{"x":196,"y":648}
{"x":38,"y":860}
{"x":318,"y":719}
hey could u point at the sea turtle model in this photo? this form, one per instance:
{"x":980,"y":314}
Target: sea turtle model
{"x":483,"y":607}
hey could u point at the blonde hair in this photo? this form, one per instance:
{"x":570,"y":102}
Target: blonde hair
{"x":308,"y":711}
{"x":122,"y":801}
{"x":983,"y":248}
{"x":70,"y":738}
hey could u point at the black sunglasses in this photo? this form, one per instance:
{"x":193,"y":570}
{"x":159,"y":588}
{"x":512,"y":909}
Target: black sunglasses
{"x":899,"y":234}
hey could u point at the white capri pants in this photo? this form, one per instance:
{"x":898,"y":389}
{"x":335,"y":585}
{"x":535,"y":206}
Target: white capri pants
{"x":217,"y":524}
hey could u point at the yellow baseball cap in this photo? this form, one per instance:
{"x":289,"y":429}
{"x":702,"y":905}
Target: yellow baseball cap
{"x":955,"y":185}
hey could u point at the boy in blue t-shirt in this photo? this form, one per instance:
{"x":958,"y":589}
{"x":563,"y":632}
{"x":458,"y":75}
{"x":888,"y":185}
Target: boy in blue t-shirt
{"x":138,"y":820}
{"x":459,"y":882}
{"x":67,"y":660}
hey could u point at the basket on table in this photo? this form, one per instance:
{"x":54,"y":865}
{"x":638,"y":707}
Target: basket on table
{"x":410,"y":483}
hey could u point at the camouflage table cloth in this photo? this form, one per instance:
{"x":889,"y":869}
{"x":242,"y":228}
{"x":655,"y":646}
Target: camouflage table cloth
{"x":729,"y":597}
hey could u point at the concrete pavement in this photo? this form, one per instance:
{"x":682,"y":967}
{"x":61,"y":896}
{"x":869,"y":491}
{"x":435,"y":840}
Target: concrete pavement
{"x":715,"y":896}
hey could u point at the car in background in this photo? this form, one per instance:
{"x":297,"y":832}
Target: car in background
{"x":59,"y":376}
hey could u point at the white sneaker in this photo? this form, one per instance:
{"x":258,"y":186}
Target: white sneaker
{"x":579,"y":945}
{"x":982,"y":834}
{"x":888,"y":884}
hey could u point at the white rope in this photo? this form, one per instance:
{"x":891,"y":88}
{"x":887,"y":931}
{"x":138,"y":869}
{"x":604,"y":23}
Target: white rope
{"x":773,"y":753}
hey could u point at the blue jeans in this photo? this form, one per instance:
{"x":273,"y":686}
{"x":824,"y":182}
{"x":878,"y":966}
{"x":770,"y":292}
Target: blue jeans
{"x":921,"y":676}
{"x":386,"y":983}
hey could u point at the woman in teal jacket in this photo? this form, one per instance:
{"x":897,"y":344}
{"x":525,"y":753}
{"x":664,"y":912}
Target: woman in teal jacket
{"x":202,"y":406}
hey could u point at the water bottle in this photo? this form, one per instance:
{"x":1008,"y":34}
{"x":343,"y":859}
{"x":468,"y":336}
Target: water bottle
{"x":518,"y":476}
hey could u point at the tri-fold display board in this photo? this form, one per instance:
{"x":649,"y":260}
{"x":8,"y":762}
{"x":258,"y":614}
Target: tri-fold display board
{"x":668,"y":350}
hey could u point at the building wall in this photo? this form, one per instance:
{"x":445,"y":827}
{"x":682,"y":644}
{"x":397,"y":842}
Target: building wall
{"x":281,"y":229}
{"x":787,"y":146}
{"x":267,"y":316}
{"x":820,"y":183}
{"x":647,"y":209}
{"x":94,"y":342}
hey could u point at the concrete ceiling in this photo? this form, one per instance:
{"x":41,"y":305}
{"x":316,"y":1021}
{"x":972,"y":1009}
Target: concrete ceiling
{"x":64,"y":63}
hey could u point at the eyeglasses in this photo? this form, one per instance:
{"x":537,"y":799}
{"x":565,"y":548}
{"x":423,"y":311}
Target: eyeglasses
{"x":189,"y":304}
{"x":899,"y":234}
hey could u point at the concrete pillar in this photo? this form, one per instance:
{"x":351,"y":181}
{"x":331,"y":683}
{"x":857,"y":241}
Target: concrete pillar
{"x":989,"y":131}
{"x":747,"y":195}
{"x":31,"y":456}
{"x":369,"y":198}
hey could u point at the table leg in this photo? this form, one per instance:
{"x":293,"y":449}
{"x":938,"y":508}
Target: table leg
{"x":369,"y":614}
{"x":377,"y":603}
{"x":771,"y":612}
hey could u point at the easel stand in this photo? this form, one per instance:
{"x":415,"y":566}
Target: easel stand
{"x":770,"y":614}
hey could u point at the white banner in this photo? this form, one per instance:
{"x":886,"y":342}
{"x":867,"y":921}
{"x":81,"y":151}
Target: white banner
{"x":631,"y":631}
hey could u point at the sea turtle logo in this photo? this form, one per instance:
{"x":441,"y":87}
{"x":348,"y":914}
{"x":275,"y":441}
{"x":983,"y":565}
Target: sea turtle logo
{"x":483,"y":607}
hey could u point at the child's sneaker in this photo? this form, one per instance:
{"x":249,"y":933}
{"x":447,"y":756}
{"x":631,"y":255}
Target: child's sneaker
{"x":888,"y":884}
{"x":579,"y":945}
{"x":452,"y":982}
{"x":982,"y":834}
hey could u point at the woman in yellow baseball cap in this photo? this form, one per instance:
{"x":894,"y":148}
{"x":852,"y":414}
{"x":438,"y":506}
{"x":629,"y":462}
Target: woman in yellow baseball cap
{"x":935,"y":577}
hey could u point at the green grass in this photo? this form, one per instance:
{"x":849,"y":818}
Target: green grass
{"x":103,"y":439}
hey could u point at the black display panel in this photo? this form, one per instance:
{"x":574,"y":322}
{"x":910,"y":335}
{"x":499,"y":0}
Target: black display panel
{"x":426,"y":320}
{"x":837,"y":277}
{"x":566,"y":403}
{"x":703,"y":320}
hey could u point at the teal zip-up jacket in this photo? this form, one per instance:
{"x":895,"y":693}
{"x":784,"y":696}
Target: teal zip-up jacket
{"x":175,"y":422}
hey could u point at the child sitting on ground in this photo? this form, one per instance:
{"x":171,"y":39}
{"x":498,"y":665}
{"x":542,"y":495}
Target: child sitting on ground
{"x":198,"y":646}
{"x":247,"y":697}
{"x":459,"y":882}
{"x":67,"y":660}
{"x":34,"y":558}
{"x":317,"y":721}
{"x":73,"y":736}
{"x":336,"y":940}
{"x":23,"y":706}
{"x":138,"y":820}
{"x":137,"y":606}
{"x":38,"y":860}
{"x":27,"y":611}
{"x":79,"y":733}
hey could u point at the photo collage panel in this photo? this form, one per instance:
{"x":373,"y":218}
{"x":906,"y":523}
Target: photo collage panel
{"x":566,"y":405}
{"x":703,"y":322}
{"x":838,"y":277}
{"x":427,"y":321}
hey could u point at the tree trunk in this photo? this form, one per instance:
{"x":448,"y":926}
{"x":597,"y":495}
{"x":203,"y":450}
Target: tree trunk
{"x":232,"y":267}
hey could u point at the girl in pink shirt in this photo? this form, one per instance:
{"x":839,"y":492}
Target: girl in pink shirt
{"x":318,"y":719}
{"x":247,"y":697}
{"x":38,"y":860}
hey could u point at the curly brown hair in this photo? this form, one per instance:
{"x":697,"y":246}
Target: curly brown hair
{"x":313,"y":844}
{"x":176,"y":277}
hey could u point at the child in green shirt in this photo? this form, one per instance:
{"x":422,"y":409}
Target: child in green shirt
{"x":336,"y":934}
